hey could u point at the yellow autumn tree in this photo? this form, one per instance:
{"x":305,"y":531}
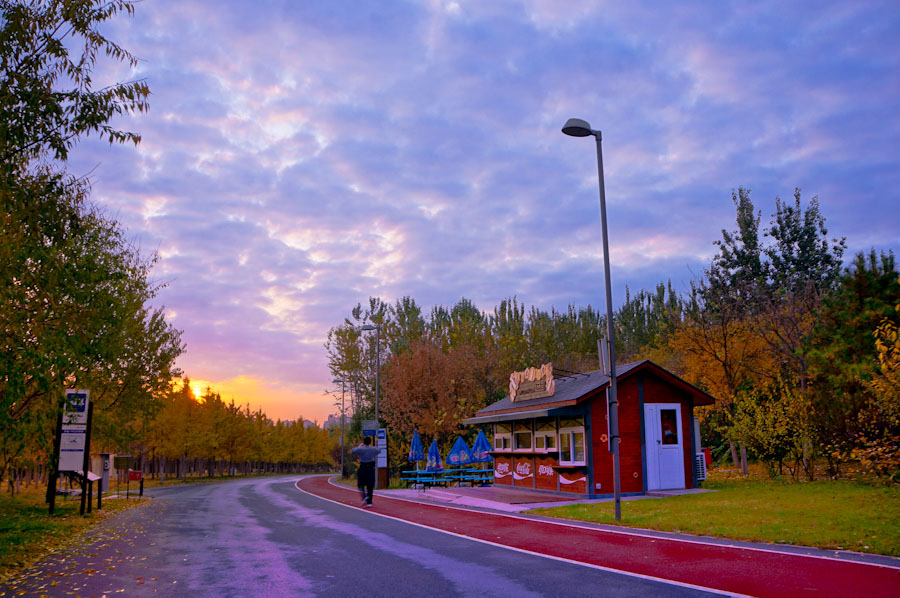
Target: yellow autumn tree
{"x":722,"y":354}
{"x":879,"y":450}
{"x":775,"y":421}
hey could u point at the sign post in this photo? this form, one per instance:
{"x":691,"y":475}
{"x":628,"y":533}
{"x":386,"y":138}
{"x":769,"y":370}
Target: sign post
{"x":86,"y":462}
{"x":72,"y":442}
{"x":136,"y":475}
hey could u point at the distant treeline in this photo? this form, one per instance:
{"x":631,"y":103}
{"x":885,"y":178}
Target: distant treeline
{"x":186,"y":436}
{"x":227,"y":439}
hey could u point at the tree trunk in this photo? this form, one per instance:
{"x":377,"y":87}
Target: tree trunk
{"x":734,"y":455}
{"x":744,"y":469}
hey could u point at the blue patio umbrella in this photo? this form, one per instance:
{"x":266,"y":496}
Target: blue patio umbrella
{"x":434,"y":462}
{"x":481,"y":449}
{"x":459,"y":453}
{"x":416,"y":452}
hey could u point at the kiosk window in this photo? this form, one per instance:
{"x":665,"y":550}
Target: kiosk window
{"x":571,"y":446}
{"x":545,"y":437}
{"x":502,"y":437}
{"x":522,"y":437}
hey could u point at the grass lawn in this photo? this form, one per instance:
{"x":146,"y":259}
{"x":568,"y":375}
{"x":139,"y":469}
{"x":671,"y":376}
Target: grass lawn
{"x":827,"y":514}
{"x":28,"y":532}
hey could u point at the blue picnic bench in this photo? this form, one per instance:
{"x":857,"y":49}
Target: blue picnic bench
{"x":425,"y":479}
{"x":448,"y":477}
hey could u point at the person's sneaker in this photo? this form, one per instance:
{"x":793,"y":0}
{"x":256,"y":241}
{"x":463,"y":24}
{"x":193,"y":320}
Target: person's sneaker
{"x":363,"y":503}
{"x":368,"y":505}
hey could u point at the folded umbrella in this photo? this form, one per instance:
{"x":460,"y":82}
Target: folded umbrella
{"x":481,"y":449}
{"x":416,"y":452}
{"x":434,"y":463}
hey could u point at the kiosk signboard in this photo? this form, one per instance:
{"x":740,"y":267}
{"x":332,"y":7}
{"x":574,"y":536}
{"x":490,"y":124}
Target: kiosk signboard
{"x":532,"y":383}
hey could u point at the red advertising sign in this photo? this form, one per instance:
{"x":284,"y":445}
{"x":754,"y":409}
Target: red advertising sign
{"x":134,"y":476}
{"x":545,"y":474}
{"x":523,"y":473}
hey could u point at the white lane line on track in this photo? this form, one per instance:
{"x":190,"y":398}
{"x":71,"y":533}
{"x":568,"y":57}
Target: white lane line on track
{"x":647,"y":535}
{"x":524,"y":551}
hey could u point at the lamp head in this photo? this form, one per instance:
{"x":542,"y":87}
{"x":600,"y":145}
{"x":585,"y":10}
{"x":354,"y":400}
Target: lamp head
{"x":577,"y":128}
{"x":336,"y":381}
{"x":368,"y":327}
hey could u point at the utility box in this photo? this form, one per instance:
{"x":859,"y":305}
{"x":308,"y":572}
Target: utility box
{"x":104,"y":472}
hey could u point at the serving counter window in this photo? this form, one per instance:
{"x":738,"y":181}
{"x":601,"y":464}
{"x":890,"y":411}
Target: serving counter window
{"x":502,"y":437}
{"x":571,"y":442}
{"x":522,"y":437}
{"x":545,"y":437}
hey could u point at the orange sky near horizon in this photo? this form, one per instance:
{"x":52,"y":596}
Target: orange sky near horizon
{"x":307,"y":401}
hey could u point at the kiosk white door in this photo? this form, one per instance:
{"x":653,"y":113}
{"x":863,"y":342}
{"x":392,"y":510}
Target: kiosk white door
{"x":665,"y":446}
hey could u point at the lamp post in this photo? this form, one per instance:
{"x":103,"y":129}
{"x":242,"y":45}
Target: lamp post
{"x":377,"y":329}
{"x":576,"y":127}
{"x":341,"y":382}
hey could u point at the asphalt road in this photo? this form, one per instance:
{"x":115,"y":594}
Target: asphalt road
{"x":263,"y":537}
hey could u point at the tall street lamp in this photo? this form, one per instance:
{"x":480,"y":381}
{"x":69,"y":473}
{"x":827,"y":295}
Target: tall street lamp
{"x":341,"y":382}
{"x":377,"y":329}
{"x":580,"y":128}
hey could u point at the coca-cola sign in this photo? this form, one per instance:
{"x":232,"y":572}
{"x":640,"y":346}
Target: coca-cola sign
{"x":523,"y":470}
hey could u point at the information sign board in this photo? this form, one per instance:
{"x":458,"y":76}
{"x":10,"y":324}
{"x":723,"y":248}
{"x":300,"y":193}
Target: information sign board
{"x":381,"y":442}
{"x":367,"y":424}
{"x":75,"y":410}
{"x":122,"y":461}
{"x":73,"y":435}
{"x":71,"y":448}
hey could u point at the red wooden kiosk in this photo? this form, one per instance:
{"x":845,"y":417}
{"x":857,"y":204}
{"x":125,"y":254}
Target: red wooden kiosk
{"x":550,"y":434}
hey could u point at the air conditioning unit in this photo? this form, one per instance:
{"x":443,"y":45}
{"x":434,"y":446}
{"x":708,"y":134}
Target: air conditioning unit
{"x":700,"y":467}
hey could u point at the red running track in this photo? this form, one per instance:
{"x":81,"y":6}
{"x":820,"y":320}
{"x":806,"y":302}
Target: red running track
{"x":732,"y":569}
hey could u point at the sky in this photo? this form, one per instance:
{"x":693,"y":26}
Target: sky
{"x":300,"y":157}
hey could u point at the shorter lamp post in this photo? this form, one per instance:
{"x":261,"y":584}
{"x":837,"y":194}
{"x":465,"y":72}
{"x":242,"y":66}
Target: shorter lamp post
{"x":341,"y":382}
{"x":377,"y":329}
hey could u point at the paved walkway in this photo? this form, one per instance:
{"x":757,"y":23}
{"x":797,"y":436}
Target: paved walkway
{"x":729,"y":568}
{"x":506,"y":499}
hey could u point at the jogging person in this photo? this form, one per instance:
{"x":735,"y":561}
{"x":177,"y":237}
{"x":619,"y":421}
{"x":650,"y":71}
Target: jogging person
{"x":365,"y":476}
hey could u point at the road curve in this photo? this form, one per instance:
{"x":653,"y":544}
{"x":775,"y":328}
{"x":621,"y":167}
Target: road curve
{"x":731,"y":569}
{"x":261,"y":537}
